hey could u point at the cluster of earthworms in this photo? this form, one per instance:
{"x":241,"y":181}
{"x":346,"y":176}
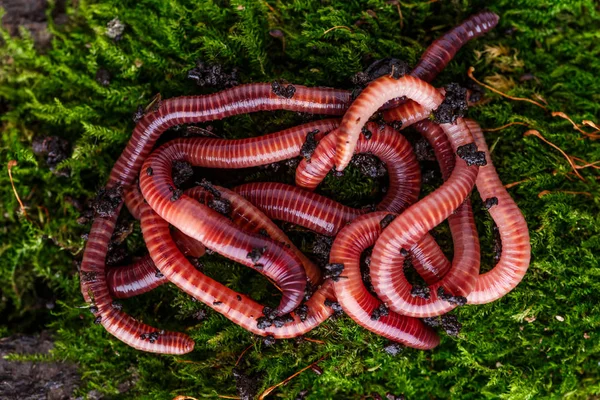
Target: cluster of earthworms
{"x":238,"y":223}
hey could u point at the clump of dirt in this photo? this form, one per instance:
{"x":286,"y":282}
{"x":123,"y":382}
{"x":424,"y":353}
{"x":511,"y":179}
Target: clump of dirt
{"x":448,"y":322}
{"x":107,"y":201}
{"x":333,"y":271}
{"x":386,"y":66}
{"x":309,"y":145}
{"x":54,"y":149}
{"x":471,"y":155}
{"x":369,"y":165}
{"x":380,"y":311}
{"x":246,"y":385}
{"x":34,"y":380}
{"x":287,"y":92}
{"x":454,"y":105}
{"x":457,"y":300}
{"x":213,"y":75}
{"x":420,"y":291}
{"x":393,"y":348}
{"x":182,"y":172}
{"x":321,"y":248}
{"x":489,"y":203}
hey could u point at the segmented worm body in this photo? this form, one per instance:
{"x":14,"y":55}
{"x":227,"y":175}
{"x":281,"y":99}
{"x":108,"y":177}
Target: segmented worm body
{"x":238,"y":223}
{"x":437,"y":56}
{"x":516,"y":246}
{"x":382,"y":142}
{"x":354,"y":297}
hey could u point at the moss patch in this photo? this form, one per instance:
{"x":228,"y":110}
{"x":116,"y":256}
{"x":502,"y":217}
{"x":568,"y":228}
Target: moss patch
{"x":84,"y":86}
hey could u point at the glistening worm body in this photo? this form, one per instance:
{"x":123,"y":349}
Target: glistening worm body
{"x":516,"y":247}
{"x":238,"y":100}
{"x":354,"y":297}
{"x":384,"y":143}
{"x":442,"y":51}
{"x":237,"y":307}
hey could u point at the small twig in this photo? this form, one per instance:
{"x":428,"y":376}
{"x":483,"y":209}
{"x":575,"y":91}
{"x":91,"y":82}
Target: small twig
{"x":546,"y":192}
{"x":533,"y":132}
{"x":228,"y":397}
{"x":592,"y":135}
{"x":505,"y":126}
{"x":184,"y":398}
{"x":269,"y":390}
{"x":242,"y":355}
{"x":470,"y":74}
{"x":317,"y":341}
{"x":510,"y":185}
{"x":336,"y":27}
{"x":11,"y":164}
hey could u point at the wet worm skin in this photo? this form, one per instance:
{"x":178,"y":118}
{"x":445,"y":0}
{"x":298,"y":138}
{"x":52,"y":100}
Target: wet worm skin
{"x":134,"y":279}
{"x":237,"y":307}
{"x":238,"y":100}
{"x":369,"y":101}
{"x":516,"y":247}
{"x":249,"y":218}
{"x":384,"y":143}
{"x":354,"y":297}
{"x":437,"y":56}
{"x":408,"y":228}
{"x":298,"y":206}
{"x":216,"y":231}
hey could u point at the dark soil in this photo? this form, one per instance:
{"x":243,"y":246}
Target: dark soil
{"x":454,"y":105}
{"x":31,"y":14}
{"x":471,"y":155}
{"x":213,"y":75}
{"x":34,"y":380}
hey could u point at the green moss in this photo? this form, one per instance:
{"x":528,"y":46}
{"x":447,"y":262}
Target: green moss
{"x":498,"y":354}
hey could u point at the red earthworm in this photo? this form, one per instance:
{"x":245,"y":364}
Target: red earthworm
{"x":238,"y":100}
{"x":298,"y":206}
{"x":233,"y":154}
{"x":408,"y":228}
{"x":384,"y":143}
{"x":354,"y":297}
{"x":325,"y":216}
{"x":237,"y":307}
{"x":134,"y":279}
{"x":369,"y":101}
{"x":516,"y":247}
{"x":142,"y":276}
{"x":511,"y":268}
{"x":248,"y":217}
{"x":442,"y":50}
{"x":214,"y":230}
{"x":94,"y":288}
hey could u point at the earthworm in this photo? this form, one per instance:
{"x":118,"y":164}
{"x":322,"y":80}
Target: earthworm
{"x":94,"y":288}
{"x":249,"y":218}
{"x":384,"y":143}
{"x":322,"y":215}
{"x":134,"y":279}
{"x":369,"y":101}
{"x":214,"y":230}
{"x":237,"y":307}
{"x":168,"y":113}
{"x":442,"y":50}
{"x":298,"y":206}
{"x":354,"y":297}
{"x":408,"y":228}
{"x":460,"y":279}
{"x":516,"y":247}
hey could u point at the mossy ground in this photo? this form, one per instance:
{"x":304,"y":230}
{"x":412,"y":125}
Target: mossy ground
{"x":516,"y":348}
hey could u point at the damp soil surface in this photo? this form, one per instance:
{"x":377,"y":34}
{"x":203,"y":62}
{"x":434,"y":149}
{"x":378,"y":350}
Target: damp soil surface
{"x":34,"y":380}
